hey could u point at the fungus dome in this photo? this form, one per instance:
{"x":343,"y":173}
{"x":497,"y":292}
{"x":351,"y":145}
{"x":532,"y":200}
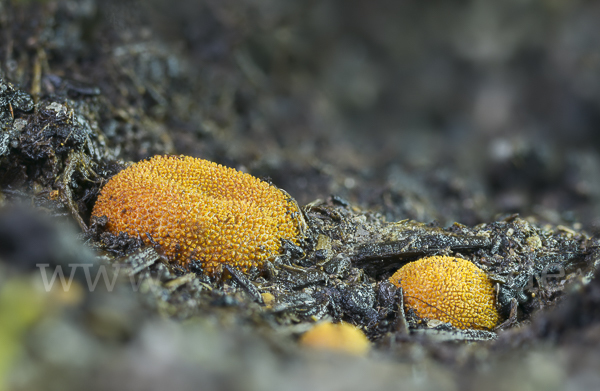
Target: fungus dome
{"x":193,"y":209}
{"x":448,"y":289}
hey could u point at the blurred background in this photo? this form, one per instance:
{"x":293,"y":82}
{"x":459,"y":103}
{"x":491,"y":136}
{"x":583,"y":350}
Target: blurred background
{"x":432,"y":111}
{"x":452,"y":112}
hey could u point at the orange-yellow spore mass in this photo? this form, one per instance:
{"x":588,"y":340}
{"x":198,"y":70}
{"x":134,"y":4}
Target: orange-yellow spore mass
{"x":449,"y":289}
{"x":341,"y":337}
{"x":194,"y":209}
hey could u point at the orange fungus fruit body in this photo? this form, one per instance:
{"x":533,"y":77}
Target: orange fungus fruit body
{"x":341,"y":337}
{"x":449,"y":289}
{"x":196,"y":210}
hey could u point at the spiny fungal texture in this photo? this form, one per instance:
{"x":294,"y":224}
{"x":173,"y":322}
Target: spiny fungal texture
{"x":196,"y":210}
{"x":449,"y":289}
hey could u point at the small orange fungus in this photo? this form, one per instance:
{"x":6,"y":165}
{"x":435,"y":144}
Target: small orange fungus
{"x":449,"y":289}
{"x":193,"y":209}
{"x":338,"y":337}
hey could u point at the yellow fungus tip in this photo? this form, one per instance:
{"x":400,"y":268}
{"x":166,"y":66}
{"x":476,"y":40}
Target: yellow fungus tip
{"x":340,"y":337}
